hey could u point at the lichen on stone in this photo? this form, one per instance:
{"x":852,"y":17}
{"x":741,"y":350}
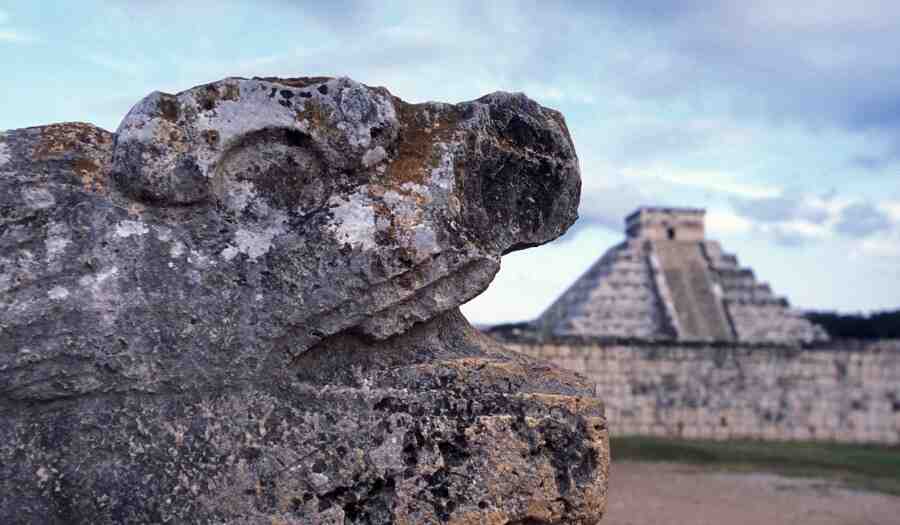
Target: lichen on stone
{"x":242,"y":307}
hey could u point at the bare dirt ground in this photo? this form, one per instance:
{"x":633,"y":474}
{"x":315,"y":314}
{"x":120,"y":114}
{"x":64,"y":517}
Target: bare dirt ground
{"x":676,"y":494}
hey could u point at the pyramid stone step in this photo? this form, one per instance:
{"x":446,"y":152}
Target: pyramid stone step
{"x":698,"y":307}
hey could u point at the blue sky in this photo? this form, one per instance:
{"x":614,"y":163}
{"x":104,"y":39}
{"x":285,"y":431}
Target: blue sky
{"x":782,"y":118}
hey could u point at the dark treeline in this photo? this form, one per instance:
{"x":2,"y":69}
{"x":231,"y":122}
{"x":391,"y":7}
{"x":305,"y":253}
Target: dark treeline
{"x":879,"y":325}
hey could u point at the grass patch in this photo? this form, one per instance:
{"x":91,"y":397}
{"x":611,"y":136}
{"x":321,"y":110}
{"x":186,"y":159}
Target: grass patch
{"x":864,"y":467}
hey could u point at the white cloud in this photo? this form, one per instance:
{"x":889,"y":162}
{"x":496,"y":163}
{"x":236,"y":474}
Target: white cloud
{"x":124,"y":67}
{"x":892,"y":209}
{"x":801,"y":228}
{"x":556,"y":94}
{"x":832,"y":205}
{"x":708,"y":180}
{"x":870,"y":227}
{"x":721,"y":223}
{"x":11,"y":35}
{"x":15,"y":37}
{"x":608,"y":204}
{"x":822,"y":16}
{"x":883,"y":246}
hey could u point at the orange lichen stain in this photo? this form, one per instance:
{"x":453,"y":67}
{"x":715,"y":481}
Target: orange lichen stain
{"x":417,"y":154}
{"x":486,"y":369}
{"x":136,"y":209}
{"x":232,"y":92}
{"x":207,"y":97}
{"x":480,"y":518}
{"x":376,"y":190}
{"x":171,"y":134}
{"x":574,"y":404}
{"x":93,"y":177}
{"x":545,"y":510}
{"x":381,"y":210}
{"x":392,"y":234}
{"x":211,"y":137}
{"x":168,"y":108}
{"x":211,"y":94}
{"x":69,"y":137}
{"x":316,"y":116}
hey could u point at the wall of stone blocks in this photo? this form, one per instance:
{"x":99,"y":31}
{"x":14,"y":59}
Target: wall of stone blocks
{"x":839,"y":391}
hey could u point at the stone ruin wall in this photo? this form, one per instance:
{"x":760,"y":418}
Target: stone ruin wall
{"x":846,"y":391}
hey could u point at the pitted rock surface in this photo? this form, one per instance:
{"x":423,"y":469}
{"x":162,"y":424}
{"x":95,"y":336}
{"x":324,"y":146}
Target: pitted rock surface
{"x":242,"y":307}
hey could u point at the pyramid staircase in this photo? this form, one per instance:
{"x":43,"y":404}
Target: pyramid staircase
{"x":663,"y":283}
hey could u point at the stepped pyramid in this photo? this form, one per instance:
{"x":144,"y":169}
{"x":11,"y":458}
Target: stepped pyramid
{"x":667,"y":281}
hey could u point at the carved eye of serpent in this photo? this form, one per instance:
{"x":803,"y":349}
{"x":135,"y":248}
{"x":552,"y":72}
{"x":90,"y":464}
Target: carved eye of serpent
{"x":272,"y":168}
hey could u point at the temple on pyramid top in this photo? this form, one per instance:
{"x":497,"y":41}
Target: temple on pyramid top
{"x":657,"y":224}
{"x":667,"y":281}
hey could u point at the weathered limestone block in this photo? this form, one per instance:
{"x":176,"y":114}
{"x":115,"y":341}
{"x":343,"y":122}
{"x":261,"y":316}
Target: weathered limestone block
{"x":242,"y":307}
